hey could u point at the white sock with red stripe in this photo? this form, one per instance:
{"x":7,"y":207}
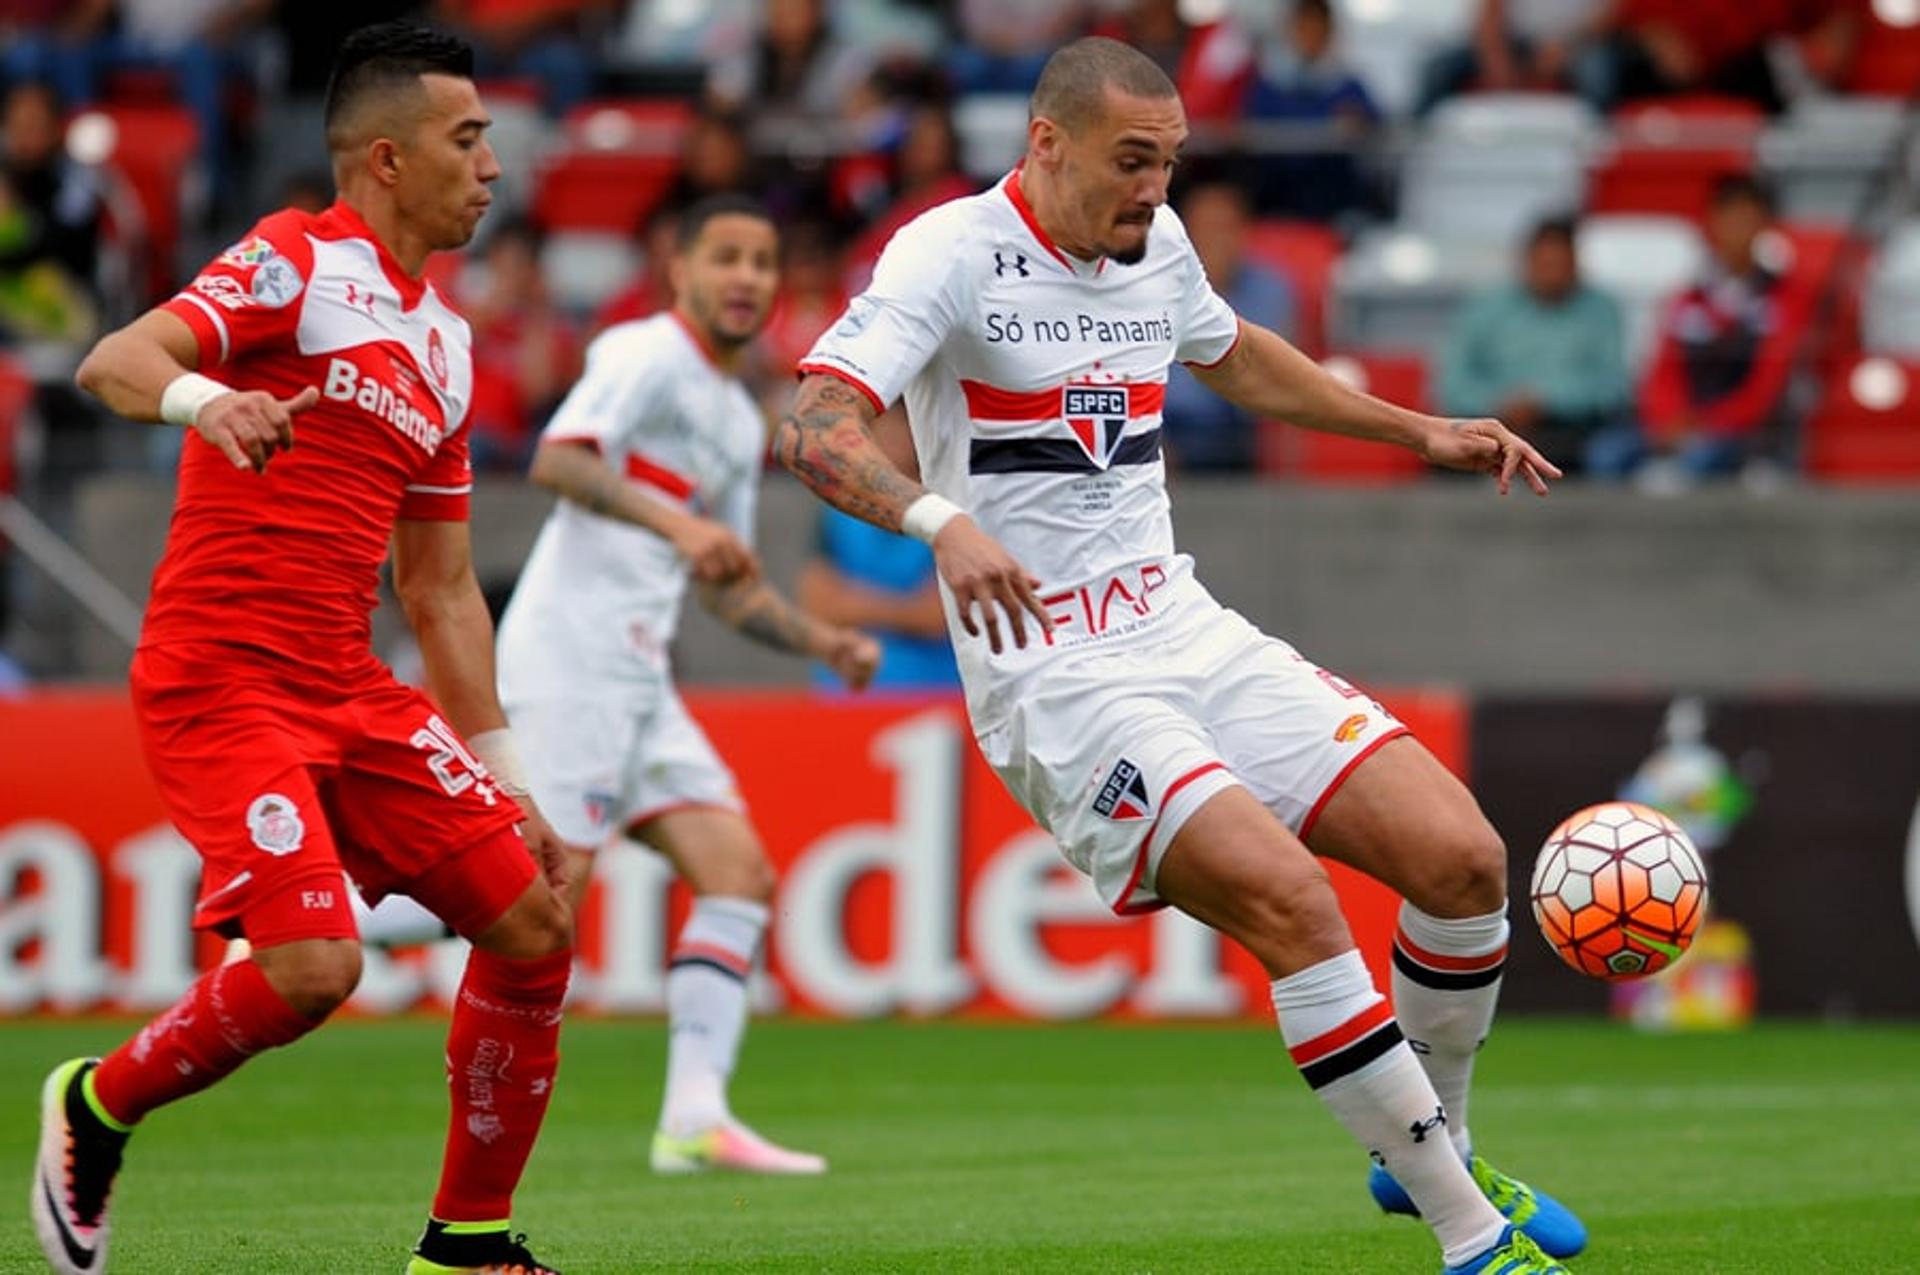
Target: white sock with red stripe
{"x":1446,"y":982}
{"x":1343,"y":1037}
{"x":707,"y":1009}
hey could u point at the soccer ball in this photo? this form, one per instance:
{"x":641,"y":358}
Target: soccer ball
{"x":1618,"y":890}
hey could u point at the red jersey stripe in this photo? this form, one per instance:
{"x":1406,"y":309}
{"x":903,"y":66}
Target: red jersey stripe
{"x":1328,"y":1042}
{"x":640,"y":469}
{"x":992,"y":403}
{"x":715,"y":953}
{"x":826,"y":369}
{"x":1434,"y":960}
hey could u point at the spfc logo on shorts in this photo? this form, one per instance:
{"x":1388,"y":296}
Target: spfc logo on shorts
{"x":275,"y":824}
{"x":1124,"y":796}
{"x":1097,"y":415}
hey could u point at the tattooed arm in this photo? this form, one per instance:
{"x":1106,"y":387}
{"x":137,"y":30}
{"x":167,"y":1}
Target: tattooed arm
{"x":826,"y":443}
{"x":756,"y":609}
{"x":576,"y":472}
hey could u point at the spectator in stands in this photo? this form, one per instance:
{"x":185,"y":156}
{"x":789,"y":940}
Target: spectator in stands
{"x":1715,"y":396}
{"x":1658,"y":47}
{"x":650,"y":290}
{"x":1203,"y":431}
{"x":1155,"y":27}
{"x":52,"y":40}
{"x":1545,"y":355}
{"x":882,"y":584}
{"x":714,"y":158}
{"x":49,"y":225}
{"x":797,"y":69}
{"x":1517,"y":44}
{"x":550,"y":41}
{"x":925,"y":172}
{"x":1004,"y":43}
{"x":811,"y":296}
{"x":525,"y":351}
{"x":1301,"y":80}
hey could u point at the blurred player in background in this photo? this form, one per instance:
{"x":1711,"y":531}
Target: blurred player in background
{"x":286,"y":752}
{"x":657,"y":455}
{"x":1177,"y":754}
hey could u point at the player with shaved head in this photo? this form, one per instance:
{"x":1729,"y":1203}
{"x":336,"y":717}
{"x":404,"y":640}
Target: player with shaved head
{"x":1177,"y":754}
{"x":324,"y":387}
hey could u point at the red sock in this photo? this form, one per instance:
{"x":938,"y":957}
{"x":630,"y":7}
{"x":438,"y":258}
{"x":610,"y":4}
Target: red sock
{"x":227,"y":1017}
{"x":502,"y":1052}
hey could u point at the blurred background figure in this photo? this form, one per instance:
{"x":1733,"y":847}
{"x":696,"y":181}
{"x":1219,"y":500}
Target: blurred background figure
{"x":1544,"y":354}
{"x":1715,"y":398}
{"x":797,"y":65}
{"x":925,"y":171}
{"x":1658,"y":47}
{"x":49,"y":225}
{"x":1204,"y":432}
{"x":1517,"y":44}
{"x":650,"y":289}
{"x":1301,"y":79}
{"x":811,"y":297}
{"x":550,"y":42}
{"x":526,"y":353}
{"x":882,"y":584}
{"x":1004,"y":43}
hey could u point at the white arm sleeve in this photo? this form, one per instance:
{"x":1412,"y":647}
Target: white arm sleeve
{"x":1206,"y":328}
{"x":624,"y":375}
{"x":893,"y":329}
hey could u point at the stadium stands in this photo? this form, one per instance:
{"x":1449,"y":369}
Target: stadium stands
{"x":1864,"y":430}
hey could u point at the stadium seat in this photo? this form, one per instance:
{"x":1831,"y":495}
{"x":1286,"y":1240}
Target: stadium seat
{"x":992,"y":132}
{"x":1306,"y":252}
{"x":1867,"y":428}
{"x":634,"y":125}
{"x":520,"y":135}
{"x":1388,"y":42}
{"x":1824,"y":156}
{"x":1887,"y":63}
{"x":1891,"y":320}
{"x":1287,"y":452}
{"x":1668,"y":154}
{"x":154,"y":150}
{"x":1642,"y":261}
{"x":585,"y":269}
{"x":1397,"y":290}
{"x":16,"y":393}
{"x":612,"y":192}
{"x":1491,"y":165}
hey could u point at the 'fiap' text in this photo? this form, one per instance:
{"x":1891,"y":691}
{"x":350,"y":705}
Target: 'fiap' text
{"x":1014,"y":328}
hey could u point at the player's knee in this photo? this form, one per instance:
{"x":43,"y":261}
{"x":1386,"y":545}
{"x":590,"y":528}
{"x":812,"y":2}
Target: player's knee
{"x":545,"y":929}
{"x":752,"y":878}
{"x":1296,"y":908}
{"x":317,"y":979}
{"x":1469,"y":876}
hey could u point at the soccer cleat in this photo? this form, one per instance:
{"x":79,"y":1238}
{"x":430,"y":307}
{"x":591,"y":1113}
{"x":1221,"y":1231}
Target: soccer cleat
{"x":1549,"y":1223}
{"x":73,"y":1175}
{"x":447,"y":1249}
{"x":1512,"y":1254}
{"x":732,"y":1147}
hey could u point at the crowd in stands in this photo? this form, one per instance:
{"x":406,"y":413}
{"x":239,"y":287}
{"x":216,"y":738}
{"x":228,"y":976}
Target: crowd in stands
{"x":851,"y":116}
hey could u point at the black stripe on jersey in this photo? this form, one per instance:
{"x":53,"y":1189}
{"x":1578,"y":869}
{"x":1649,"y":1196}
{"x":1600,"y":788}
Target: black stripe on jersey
{"x":1057,"y":455}
{"x":1445,"y":980}
{"x":688,"y":962}
{"x":1346,"y":1061}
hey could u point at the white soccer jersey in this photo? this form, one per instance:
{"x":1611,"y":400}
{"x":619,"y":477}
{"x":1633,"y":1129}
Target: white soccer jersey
{"x":599,"y":599}
{"x":1034,"y":384}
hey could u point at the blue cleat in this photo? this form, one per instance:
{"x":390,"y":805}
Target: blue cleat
{"x":1512,"y":1254}
{"x":1547,"y":1222}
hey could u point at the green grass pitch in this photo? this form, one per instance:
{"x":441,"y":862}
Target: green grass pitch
{"x":966,"y":1147}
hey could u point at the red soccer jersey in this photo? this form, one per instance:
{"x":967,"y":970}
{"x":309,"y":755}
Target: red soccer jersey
{"x":289,"y":560}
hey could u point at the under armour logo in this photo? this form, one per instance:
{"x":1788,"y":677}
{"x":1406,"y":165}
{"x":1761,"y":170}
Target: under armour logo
{"x":355,"y":297}
{"x":1001,"y":265}
{"x":1421,"y":1128}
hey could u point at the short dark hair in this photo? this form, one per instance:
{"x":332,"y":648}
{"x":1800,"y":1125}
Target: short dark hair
{"x":1561,"y":227}
{"x":386,"y":57}
{"x":1741,"y":188}
{"x":1320,"y":9}
{"x":1073,"y":85}
{"x":725,"y":204}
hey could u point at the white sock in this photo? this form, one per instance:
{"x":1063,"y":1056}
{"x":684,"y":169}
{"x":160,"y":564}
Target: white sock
{"x":707,"y":1009}
{"x":1446,"y":983}
{"x":397,"y":921}
{"x":1342,"y":1036}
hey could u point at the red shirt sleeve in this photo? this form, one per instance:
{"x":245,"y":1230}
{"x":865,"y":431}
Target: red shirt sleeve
{"x":1749,"y":407}
{"x":247,"y":298}
{"x":1664,"y":404}
{"x":442,"y":488}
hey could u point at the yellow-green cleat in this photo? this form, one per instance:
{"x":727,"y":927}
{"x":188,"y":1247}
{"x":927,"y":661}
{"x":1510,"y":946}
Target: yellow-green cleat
{"x":1512,"y":1254}
{"x":474,"y":1248}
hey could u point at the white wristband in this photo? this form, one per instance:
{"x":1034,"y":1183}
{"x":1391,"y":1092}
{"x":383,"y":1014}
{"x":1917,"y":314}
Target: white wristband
{"x":496,"y":752}
{"x":925,"y":517}
{"x":185,"y":395}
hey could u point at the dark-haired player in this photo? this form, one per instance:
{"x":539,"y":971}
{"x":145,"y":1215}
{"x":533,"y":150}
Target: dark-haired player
{"x":657,"y":455}
{"x":324,"y":387}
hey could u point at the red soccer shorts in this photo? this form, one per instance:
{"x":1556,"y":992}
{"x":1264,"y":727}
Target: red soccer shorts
{"x":282,"y":784}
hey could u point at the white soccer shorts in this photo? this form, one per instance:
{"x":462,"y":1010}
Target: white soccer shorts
{"x":601,"y":767}
{"x":1113,"y":752}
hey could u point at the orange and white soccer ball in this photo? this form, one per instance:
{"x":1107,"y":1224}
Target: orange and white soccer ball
{"x":1618,"y":890}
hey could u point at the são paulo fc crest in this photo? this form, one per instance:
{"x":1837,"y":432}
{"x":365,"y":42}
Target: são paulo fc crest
{"x":437,"y":357}
{"x":274,"y":822}
{"x":1097,"y":415}
{"x":1123,"y":798}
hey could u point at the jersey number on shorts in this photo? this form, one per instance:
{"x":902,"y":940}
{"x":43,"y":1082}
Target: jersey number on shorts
{"x":437,"y":738}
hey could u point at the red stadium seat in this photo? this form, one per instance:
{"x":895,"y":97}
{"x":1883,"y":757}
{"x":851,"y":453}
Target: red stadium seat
{"x":1287,"y":452}
{"x":154,"y":148}
{"x":16,"y":392}
{"x":601,"y":191}
{"x":1306,"y":252}
{"x":635,"y":125}
{"x":1668,"y":154}
{"x":1868,"y":426}
{"x":1887,"y":63}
